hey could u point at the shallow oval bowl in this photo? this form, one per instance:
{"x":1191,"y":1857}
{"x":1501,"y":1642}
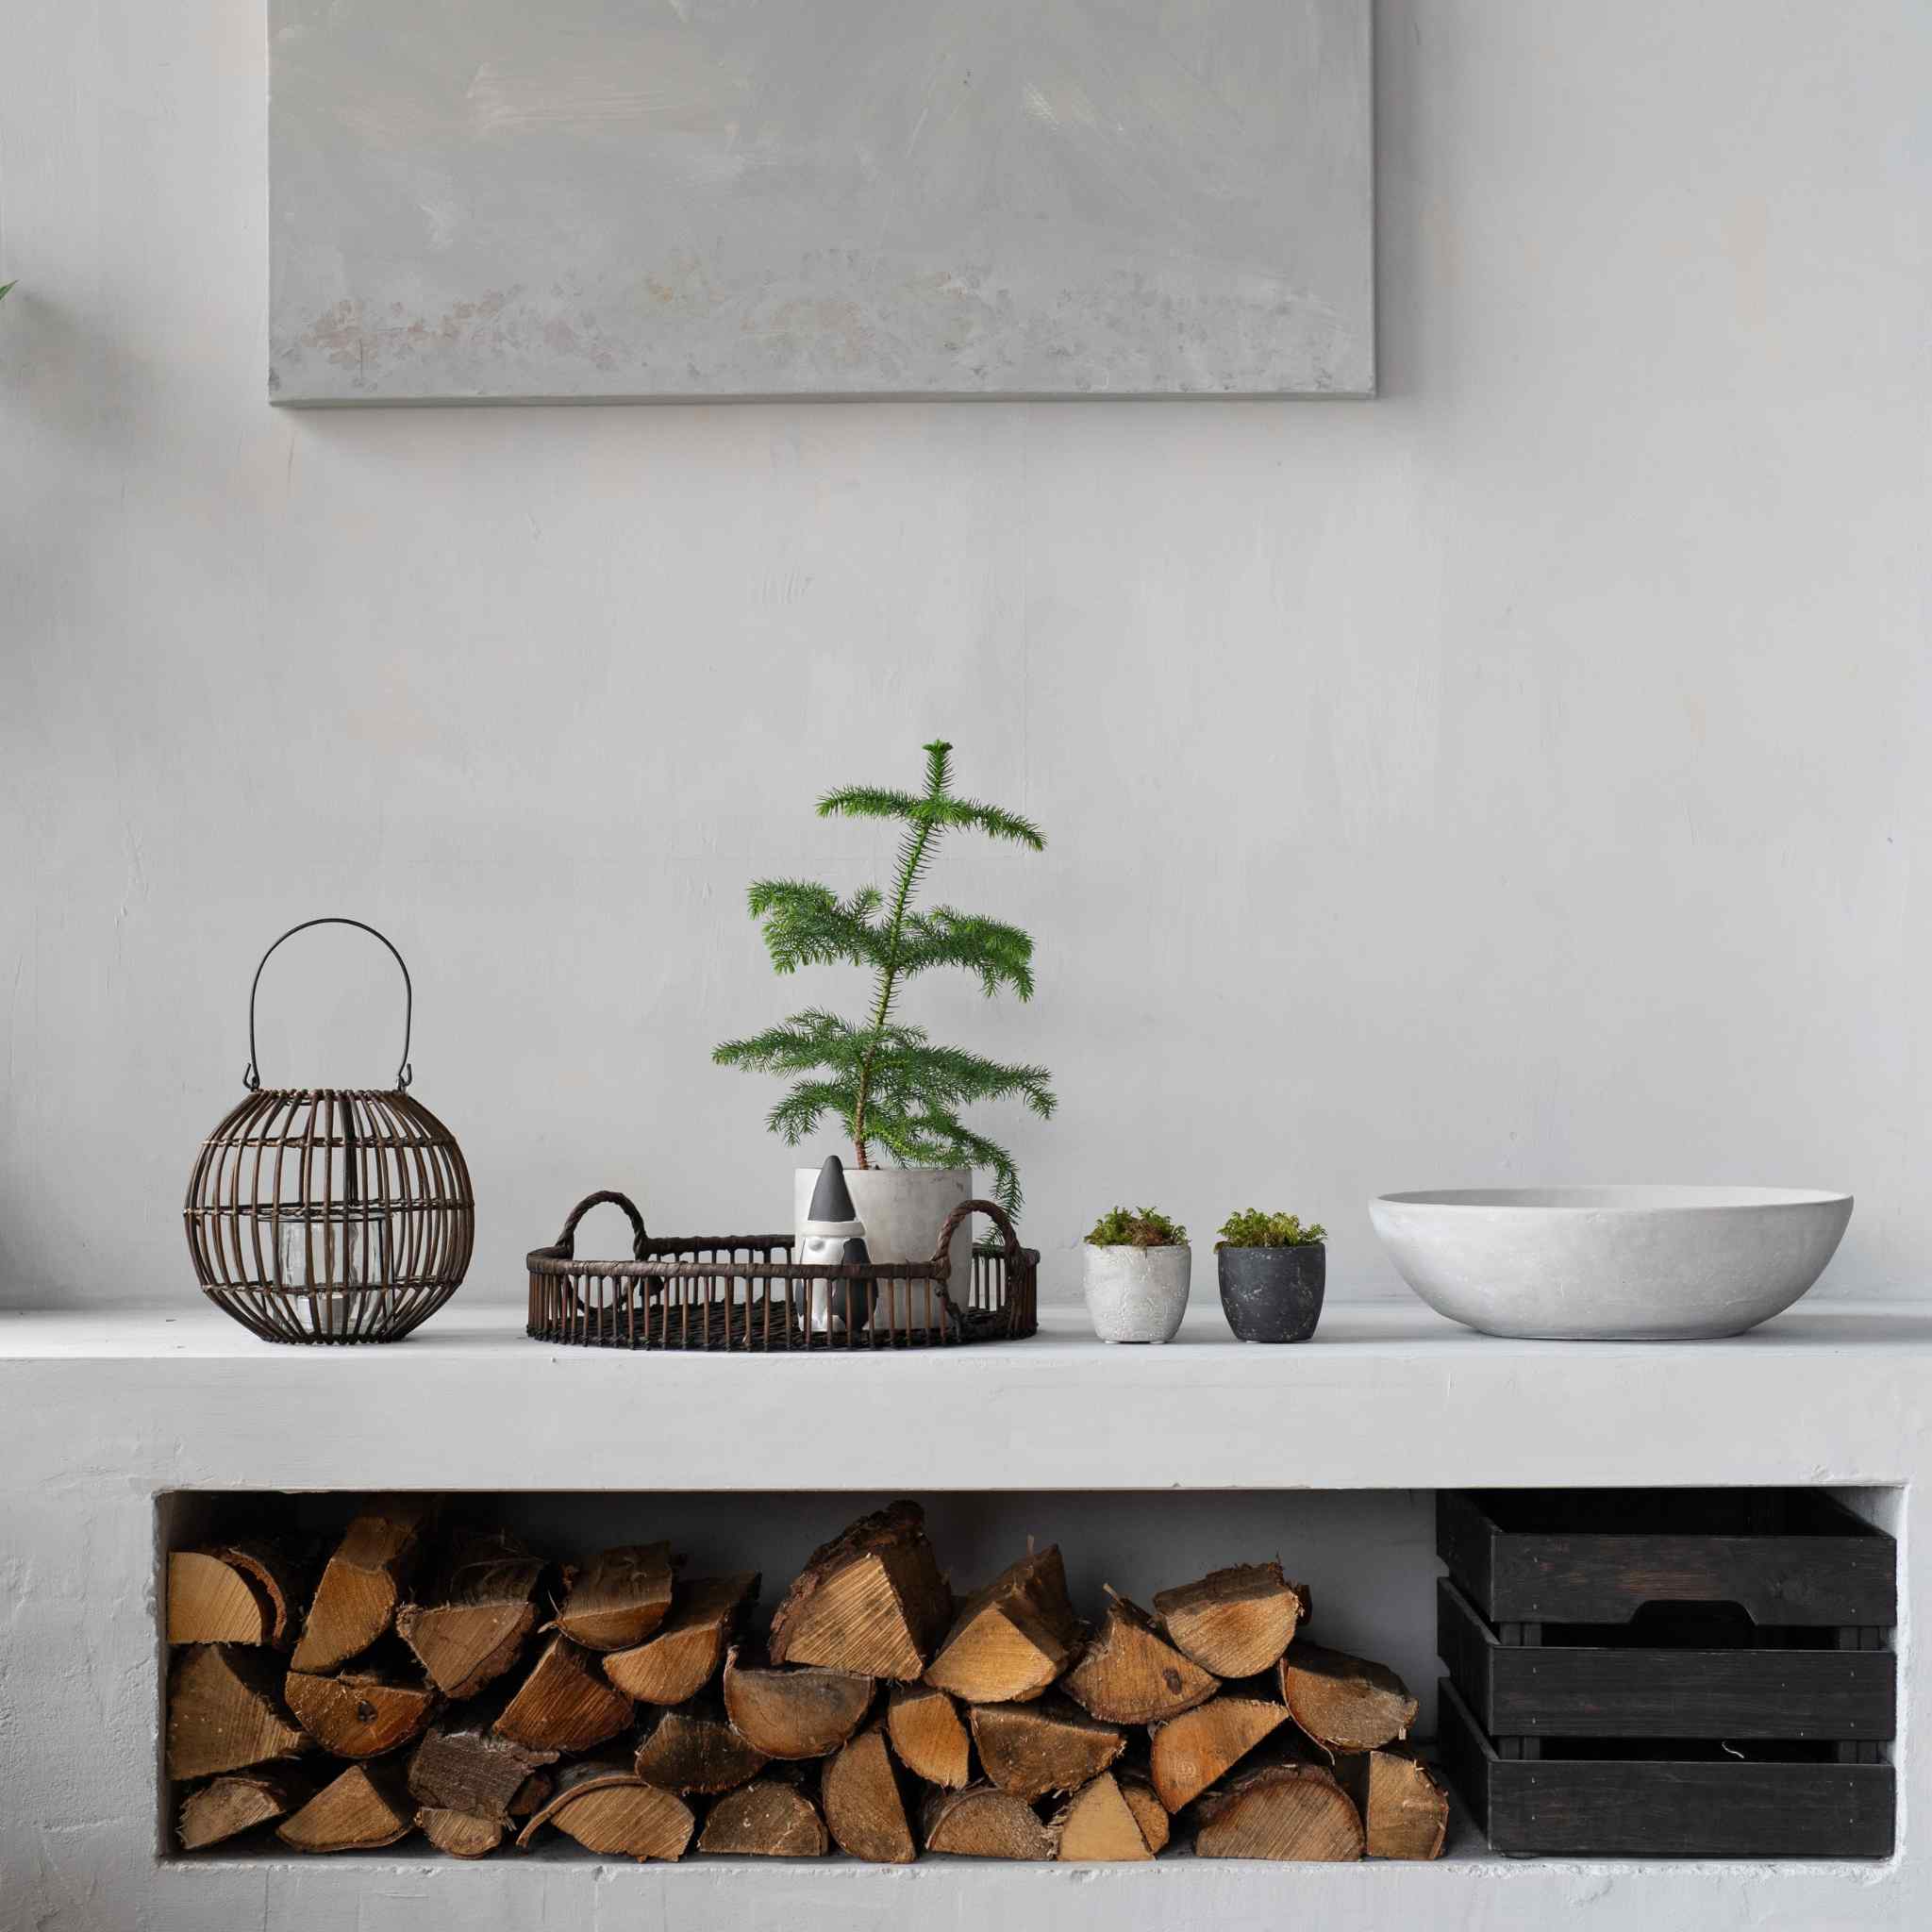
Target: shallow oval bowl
{"x":1610,"y":1263}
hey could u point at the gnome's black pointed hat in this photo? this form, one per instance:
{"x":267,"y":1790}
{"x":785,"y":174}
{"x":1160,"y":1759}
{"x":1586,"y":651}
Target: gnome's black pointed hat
{"x":831,"y":1199}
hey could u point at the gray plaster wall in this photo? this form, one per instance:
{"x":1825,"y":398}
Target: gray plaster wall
{"x":1520,"y":776}
{"x":650,"y":198}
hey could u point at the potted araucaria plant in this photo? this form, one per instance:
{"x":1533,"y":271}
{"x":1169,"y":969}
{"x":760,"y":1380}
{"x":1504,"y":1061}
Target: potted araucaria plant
{"x":897,"y":1095}
{"x":1138,"y":1269}
{"x":1274,"y":1272}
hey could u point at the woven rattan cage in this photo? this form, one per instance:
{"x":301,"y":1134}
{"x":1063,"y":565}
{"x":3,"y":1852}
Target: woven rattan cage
{"x":744,"y":1294}
{"x":329,"y":1214}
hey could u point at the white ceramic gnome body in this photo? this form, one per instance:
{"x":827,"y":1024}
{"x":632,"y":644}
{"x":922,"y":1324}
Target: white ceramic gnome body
{"x":832,"y":1233}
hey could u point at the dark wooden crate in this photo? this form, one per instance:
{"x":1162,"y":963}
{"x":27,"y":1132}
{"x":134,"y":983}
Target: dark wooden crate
{"x":1674,"y":1806}
{"x":1628,"y":1689}
{"x":1789,"y":1557}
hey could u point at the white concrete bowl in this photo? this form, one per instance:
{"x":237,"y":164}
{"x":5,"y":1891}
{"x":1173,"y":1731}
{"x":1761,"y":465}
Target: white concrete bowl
{"x":1610,"y":1264}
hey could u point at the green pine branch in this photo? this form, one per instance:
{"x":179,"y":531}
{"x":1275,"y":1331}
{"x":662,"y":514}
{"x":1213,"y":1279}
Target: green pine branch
{"x":887,"y":1084}
{"x":1001,"y":954}
{"x":808,"y":924}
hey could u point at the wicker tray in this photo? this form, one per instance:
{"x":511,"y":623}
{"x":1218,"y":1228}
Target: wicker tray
{"x":745,"y":1293}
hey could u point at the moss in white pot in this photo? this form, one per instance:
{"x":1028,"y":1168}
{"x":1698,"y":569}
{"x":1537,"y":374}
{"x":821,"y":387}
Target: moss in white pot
{"x":1138,"y":1268}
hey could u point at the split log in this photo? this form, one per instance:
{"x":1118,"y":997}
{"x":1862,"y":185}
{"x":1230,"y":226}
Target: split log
{"x":693,"y":1748}
{"x":465,"y":1766}
{"x":1289,"y":1811}
{"x":225,"y":1713}
{"x":983,"y":1822}
{"x":865,"y":1810}
{"x":471,"y":1834}
{"x":1404,"y":1806}
{"x":766,"y":1819}
{"x":1344,"y":1703}
{"x":279,"y":1575}
{"x":238,"y":1803}
{"x":1188,"y":1753}
{"x":673,"y":1666}
{"x":460,"y":1834}
{"x":929,"y":1735}
{"x":358,"y":1812}
{"x":1130,"y":1675}
{"x":871,"y":1601}
{"x":1235,"y":1621}
{"x":1013,"y":1638}
{"x":1097,"y":1825}
{"x":1150,"y":1814}
{"x":485,"y":1605}
{"x":212,"y":1599}
{"x":1031,"y":1749}
{"x":608,"y":1809}
{"x":361,"y":1585}
{"x":794,"y":1713}
{"x":565,"y":1704}
{"x":362,"y":1713}
{"x":619,"y":1599}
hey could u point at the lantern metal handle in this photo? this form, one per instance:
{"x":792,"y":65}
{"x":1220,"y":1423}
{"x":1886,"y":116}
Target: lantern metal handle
{"x":405,"y":1074}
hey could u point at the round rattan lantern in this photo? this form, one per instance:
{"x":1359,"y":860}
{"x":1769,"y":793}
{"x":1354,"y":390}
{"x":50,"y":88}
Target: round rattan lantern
{"x":330,"y":1214}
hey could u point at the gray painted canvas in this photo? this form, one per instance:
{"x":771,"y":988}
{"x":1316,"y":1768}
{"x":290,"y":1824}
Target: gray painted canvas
{"x":520,"y":200}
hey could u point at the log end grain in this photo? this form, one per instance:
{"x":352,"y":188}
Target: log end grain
{"x":1097,"y":1825}
{"x":688,"y":1649}
{"x":983,"y":1822}
{"x":1235,"y":1621}
{"x":1190,"y":1751}
{"x":225,"y":1713}
{"x":238,"y":1802}
{"x":357,"y":1811}
{"x":1344,"y":1703}
{"x":794,"y":1713}
{"x":929,"y":1735}
{"x":1128,"y":1674}
{"x":768,"y":1817}
{"x":865,"y":1808}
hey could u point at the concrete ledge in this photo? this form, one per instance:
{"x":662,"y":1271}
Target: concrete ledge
{"x":108,"y":1413}
{"x":1832,"y":1394}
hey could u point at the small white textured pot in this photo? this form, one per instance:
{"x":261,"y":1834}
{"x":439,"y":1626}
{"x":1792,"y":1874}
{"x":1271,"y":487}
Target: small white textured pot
{"x":1136,"y":1294}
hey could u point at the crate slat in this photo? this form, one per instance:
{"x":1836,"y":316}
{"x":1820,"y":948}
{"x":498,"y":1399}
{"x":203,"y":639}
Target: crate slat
{"x":1812,"y":1563}
{"x":1641,"y":1807}
{"x":1836,"y":1696}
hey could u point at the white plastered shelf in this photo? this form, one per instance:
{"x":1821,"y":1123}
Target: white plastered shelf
{"x":107,"y":1413}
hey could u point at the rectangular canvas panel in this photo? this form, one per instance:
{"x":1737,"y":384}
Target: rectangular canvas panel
{"x":529,"y":200}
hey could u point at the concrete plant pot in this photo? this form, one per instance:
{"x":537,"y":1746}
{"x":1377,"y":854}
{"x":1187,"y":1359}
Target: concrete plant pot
{"x":1272,"y":1295}
{"x":1136,"y":1294}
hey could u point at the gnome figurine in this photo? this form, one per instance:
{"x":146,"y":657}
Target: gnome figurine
{"x":831,"y":1233}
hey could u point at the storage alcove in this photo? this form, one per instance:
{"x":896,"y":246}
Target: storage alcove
{"x":1369,"y":1558}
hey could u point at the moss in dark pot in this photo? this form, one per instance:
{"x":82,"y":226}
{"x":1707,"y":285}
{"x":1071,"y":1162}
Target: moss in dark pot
{"x":1274,"y":1272}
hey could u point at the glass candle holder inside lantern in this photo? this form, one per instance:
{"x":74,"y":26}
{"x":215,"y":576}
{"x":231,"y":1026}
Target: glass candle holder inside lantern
{"x":330,"y":1214}
{"x":330,"y":1248}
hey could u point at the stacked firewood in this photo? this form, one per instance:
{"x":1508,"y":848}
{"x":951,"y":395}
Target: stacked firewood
{"x":456,"y":1685}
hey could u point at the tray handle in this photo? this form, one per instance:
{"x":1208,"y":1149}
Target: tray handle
{"x":567,"y":1240}
{"x":941,"y":1258}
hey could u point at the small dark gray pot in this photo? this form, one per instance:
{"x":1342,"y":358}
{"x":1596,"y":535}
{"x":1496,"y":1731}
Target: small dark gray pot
{"x":1272,"y":1295}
